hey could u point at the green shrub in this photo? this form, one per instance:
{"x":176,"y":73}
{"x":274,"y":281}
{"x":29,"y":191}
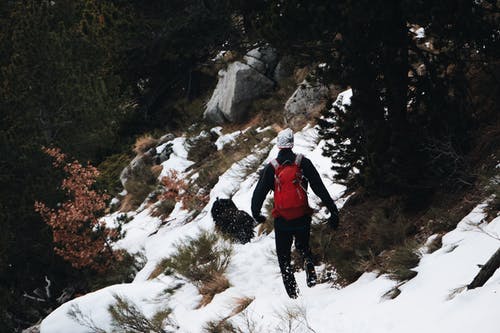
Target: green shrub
{"x":140,"y":183}
{"x":367,"y":229}
{"x":163,"y":208}
{"x":201,"y":148}
{"x":138,"y":190}
{"x":334,"y":255}
{"x":188,"y":111}
{"x":401,"y":261}
{"x":220,"y":326}
{"x":198,"y":259}
{"x":387,"y":227}
{"x":441,"y":219}
{"x":493,"y":208}
{"x":209,"y":169}
{"x":110,"y":169}
{"x":122,"y":271}
{"x":127,"y":317}
{"x":123,"y":218}
{"x":201,"y":260}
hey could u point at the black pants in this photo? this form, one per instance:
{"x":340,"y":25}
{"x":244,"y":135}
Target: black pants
{"x":285,"y":233}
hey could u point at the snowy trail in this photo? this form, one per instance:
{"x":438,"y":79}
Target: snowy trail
{"x":253,"y":272}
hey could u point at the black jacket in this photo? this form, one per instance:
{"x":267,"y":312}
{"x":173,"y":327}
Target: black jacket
{"x":266,"y":182}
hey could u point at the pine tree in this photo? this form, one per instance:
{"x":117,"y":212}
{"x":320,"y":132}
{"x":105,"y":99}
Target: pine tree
{"x":58,"y":87}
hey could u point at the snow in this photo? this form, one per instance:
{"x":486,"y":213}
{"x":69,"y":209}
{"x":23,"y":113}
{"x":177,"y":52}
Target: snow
{"x":344,"y":98}
{"x":225,"y":139}
{"x":424,"y":304}
{"x":418,"y":32}
{"x":178,"y":159}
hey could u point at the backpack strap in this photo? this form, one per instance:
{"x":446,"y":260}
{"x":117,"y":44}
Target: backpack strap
{"x":298,"y":159}
{"x":275,"y":164}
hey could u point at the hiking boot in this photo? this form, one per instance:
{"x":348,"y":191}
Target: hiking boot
{"x":311,"y":277}
{"x":291,"y":285}
{"x":292,"y":291}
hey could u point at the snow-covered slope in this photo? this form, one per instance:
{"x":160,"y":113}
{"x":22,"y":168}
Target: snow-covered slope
{"x":424,"y":304}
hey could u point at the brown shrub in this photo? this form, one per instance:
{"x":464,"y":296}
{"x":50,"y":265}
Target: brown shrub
{"x":177,"y":190}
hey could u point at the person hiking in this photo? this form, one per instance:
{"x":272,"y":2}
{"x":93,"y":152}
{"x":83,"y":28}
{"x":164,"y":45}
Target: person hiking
{"x":288,"y":176}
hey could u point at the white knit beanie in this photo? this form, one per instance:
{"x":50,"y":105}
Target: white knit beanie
{"x":285,"y":139}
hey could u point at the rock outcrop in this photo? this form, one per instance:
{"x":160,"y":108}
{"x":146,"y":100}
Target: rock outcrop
{"x":141,"y":164}
{"x":241,"y":83}
{"x":262,"y":59}
{"x":306,"y":101}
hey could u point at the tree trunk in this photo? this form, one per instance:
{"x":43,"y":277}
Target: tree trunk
{"x":486,"y":271}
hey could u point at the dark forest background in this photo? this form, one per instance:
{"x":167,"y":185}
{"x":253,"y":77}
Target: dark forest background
{"x":89,"y":76}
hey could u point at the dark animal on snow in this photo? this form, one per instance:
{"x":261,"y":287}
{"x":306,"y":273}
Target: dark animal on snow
{"x":232,"y":222}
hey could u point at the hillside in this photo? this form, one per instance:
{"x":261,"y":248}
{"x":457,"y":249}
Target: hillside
{"x":425,"y":303}
{"x":133,"y":133}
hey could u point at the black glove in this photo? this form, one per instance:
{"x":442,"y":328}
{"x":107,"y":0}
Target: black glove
{"x":260,"y":219}
{"x":333,"y":220}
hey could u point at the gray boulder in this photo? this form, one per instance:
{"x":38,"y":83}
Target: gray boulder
{"x":238,"y":85}
{"x":305,"y":102}
{"x":163,"y":152}
{"x":165,"y":138}
{"x":139,"y":165}
{"x":263,"y":59}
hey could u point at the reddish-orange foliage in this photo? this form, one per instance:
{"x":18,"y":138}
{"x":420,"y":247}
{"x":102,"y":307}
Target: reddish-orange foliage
{"x":178,"y":190}
{"x":174,"y":187}
{"x":80,"y":237}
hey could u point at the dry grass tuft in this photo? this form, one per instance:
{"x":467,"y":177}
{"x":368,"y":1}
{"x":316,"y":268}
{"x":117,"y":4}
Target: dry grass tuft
{"x":144,"y":143}
{"x":241,"y":304}
{"x":212,"y":287}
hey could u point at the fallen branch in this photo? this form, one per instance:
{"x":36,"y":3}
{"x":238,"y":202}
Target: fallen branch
{"x":487,"y":270}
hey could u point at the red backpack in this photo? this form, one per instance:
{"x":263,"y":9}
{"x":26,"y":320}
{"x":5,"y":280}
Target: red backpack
{"x":290,"y":196}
